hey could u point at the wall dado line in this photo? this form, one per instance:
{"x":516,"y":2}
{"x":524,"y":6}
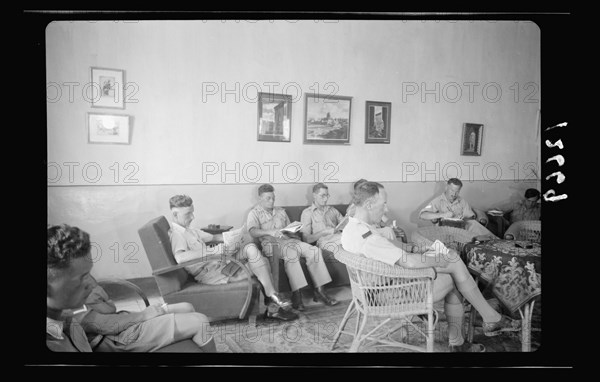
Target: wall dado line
{"x":112,"y":215}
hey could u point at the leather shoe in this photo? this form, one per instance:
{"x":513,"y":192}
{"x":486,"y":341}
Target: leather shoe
{"x":467,"y":347}
{"x":281,"y":301}
{"x":278,"y":313}
{"x":321,"y":296}
{"x":297,"y":301}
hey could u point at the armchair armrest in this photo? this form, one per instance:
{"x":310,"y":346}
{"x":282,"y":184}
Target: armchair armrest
{"x":128,"y":284}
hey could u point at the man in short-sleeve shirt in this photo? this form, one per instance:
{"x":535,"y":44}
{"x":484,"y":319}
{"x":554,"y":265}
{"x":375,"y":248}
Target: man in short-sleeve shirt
{"x":453,"y":280}
{"x":265,"y":222}
{"x":451,"y":205}
{"x":190,"y":243}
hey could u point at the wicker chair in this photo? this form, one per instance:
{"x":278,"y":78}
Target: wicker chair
{"x":389,"y":292}
{"x":528,"y":230}
{"x":452,"y":237}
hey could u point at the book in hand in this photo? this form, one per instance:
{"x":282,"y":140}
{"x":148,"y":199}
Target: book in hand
{"x":233,"y":238}
{"x":452,"y":222}
{"x":341,"y":224}
{"x":437,"y":248}
{"x":231,"y":269}
{"x":292,"y":228}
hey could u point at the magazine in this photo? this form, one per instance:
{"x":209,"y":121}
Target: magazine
{"x":292,"y":227}
{"x":232,"y":239}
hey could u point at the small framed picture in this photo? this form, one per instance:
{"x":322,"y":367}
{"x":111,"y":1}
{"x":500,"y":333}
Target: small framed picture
{"x":108,"y":88}
{"x":109,"y":128}
{"x":472,"y":137}
{"x":378,"y":117}
{"x":274,"y":117}
{"x":327,"y":119}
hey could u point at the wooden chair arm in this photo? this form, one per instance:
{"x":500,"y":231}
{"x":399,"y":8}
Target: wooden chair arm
{"x":128,"y":284}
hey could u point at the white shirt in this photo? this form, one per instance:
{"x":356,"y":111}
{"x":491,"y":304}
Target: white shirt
{"x":362,"y":238}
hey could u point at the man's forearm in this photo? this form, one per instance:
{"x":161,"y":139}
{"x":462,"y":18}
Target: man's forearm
{"x":104,"y":324}
{"x":431,"y":215}
{"x":257,"y":232}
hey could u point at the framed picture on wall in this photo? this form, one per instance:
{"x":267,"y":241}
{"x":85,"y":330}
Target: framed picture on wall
{"x":109,"y":128}
{"x":108,"y":88}
{"x":327,"y":119}
{"x":274,"y":117}
{"x":378,"y":116}
{"x":472,"y":137}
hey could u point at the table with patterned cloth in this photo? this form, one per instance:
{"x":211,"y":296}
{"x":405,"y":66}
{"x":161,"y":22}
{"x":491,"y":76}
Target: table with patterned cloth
{"x":512,"y":269}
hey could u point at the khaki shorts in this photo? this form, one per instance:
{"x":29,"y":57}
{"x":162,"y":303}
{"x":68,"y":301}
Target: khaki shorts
{"x":147,"y":336}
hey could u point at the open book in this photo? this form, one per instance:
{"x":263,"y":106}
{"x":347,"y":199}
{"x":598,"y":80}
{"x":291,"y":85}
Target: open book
{"x":437,"y":248}
{"x":292,"y":227}
{"x":233,"y":238}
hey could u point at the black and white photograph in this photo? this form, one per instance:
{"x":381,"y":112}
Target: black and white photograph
{"x":169,"y":236}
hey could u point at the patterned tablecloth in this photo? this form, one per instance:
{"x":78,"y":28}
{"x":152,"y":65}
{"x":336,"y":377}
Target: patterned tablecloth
{"x":513,"y":273}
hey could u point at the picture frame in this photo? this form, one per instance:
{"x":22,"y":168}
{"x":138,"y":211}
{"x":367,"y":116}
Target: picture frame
{"x":108,"y":88}
{"x":378,"y":117}
{"x":472,"y":138}
{"x":327,"y":119}
{"x":109,"y":128}
{"x":274,"y":117}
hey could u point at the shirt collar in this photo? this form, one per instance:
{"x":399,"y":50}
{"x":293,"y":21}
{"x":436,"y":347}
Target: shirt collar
{"x":178,"y":228}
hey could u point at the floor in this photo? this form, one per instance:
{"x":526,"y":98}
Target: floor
{"x":504,"y":343}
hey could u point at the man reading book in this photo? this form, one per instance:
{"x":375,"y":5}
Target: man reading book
{"x":190,"y":243}
{"x":265,"y":222}
{"x":450,"y":205}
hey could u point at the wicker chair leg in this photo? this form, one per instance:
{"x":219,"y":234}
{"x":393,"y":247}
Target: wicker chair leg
{"x":526,"y":327}
{"x":357,"y":340}
{"x":347,"y":315}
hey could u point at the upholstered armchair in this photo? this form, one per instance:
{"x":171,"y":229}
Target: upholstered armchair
{"x":218,"y":302}
{"x":118,"y":289}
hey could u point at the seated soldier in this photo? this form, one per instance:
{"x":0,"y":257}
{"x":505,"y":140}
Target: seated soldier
{"x":451,"y":205}
{"x":265,"y":222}
{"x":453,"y":280}
{"x":392,"y":232}
{"x":70,"y":286}
{"x":321,"y":223}
{"x":190,"y":243}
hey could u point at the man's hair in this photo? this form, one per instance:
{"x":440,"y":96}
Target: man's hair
{"x":265,"y":188}
{"x":318,"y":186}
{"x":65,"y":244}
{"x":455,"y":181}
{"x":365,"y":191}
{"x":179,"y":201}
{"x":358,"y":183}
{"x":531,"y":192}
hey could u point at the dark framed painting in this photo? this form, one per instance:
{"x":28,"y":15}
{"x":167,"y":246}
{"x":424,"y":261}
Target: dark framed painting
{"x":378,"y":117}
{"x":472,"y":137}
{"x":108,"y":88}
{"x":274,"y":117}
{"x":327,"y":119}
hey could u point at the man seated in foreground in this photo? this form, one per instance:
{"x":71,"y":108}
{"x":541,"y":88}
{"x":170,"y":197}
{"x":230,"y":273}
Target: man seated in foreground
{"x":70,"y":285}
{"x":453,"y":280}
